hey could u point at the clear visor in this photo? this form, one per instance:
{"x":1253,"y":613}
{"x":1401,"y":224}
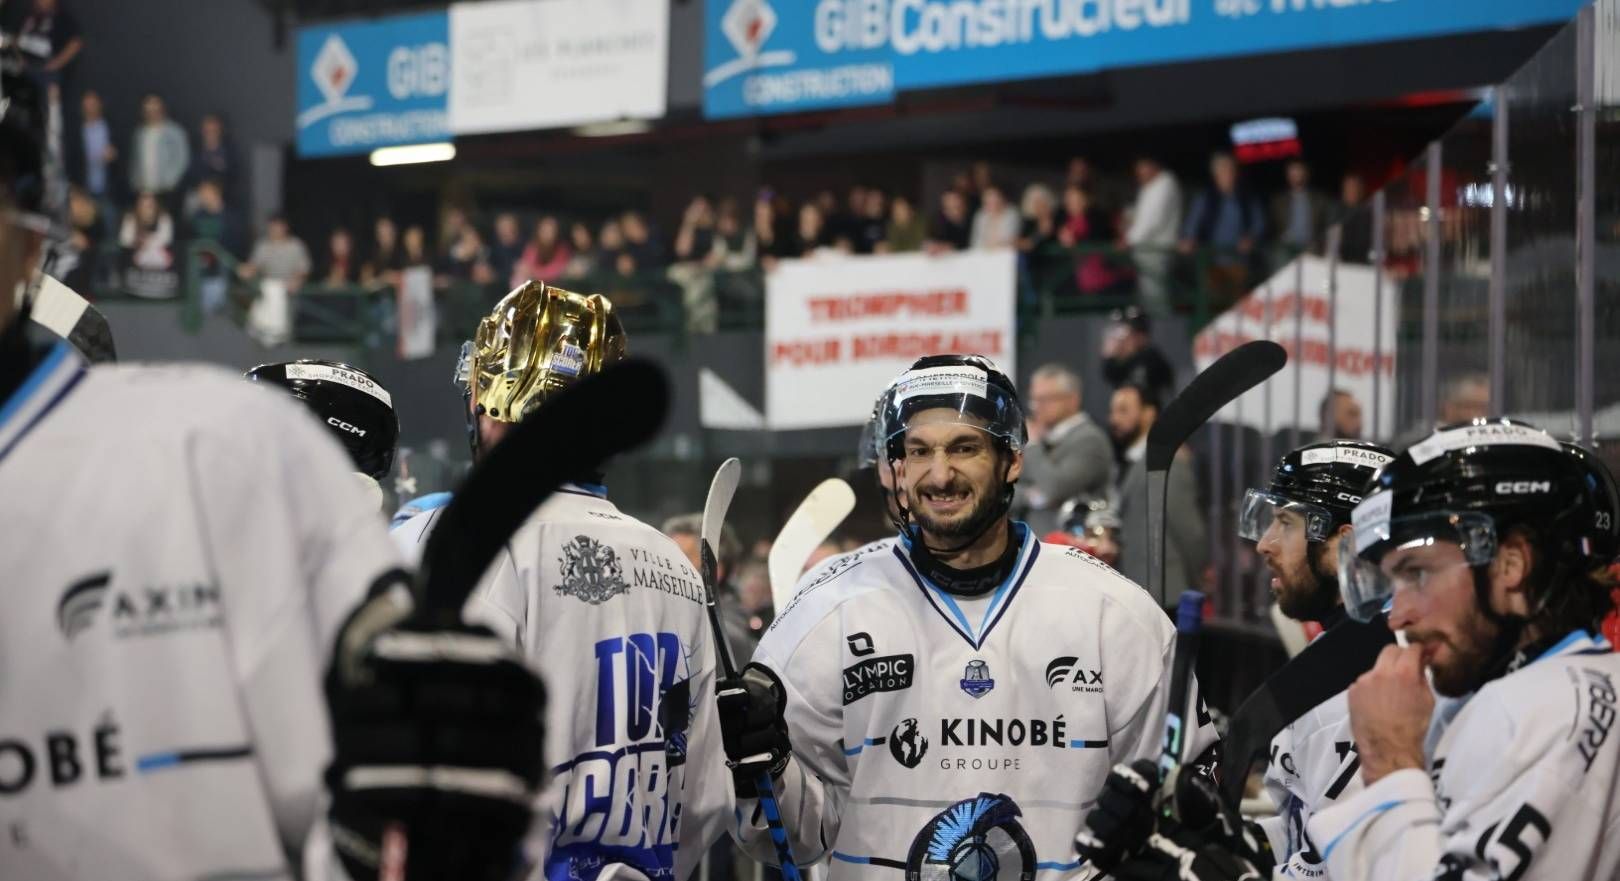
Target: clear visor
{"x":950,"y":394}
{"x":1405,"y":553}
{"x":1266,"y":512}
{"x":866,"y":449}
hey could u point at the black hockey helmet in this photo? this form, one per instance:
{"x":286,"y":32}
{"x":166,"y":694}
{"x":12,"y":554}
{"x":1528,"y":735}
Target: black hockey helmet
{"x":971,"y":385}
{"x":1470,"y":483}
{"x":1322,"y":482}
{"x":353,"y":405}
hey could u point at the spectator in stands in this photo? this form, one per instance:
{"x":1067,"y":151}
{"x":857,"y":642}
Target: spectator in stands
{"x":546,"y":257}
{"x":844,"y":223}
{"x":413,"y":248}
{"x":1068,"y":455}
{"x":451,"y":224}
{"x":1355,"y":226}
{"x":383,"y":264}
{"x":1465,"y":397}
{"x":85,"y":233}
{"x":1103,"y":193}
{"x":94,"y":152}
{"x":147,"y":234}
{"x":1299,"y":214}
{"x":695,"y":238}
{"x":342,"y":267}
{"x":613,"y":255}
{"x":507,"y":247}
{"x":872,"y":226}
{"x":812,"y":234}
{"x":771,"y":242}
{"x":980,"y":179}
{"x":1131,"y":415}
{"x":278,"y":256}
{"x":1339,"y":416}
{"x":1087,"y":227}
{"x":467,"y":259}
{"x":160,"y":155}
{"x":953,"y":225}
{"x":733,"y":249}
{"x":1131,"y":358}
{"x":213,"y":159}
{"x":996,"y":224}
{"x":1155,"y":218}
{"x":1227,"y":219}
{"x":906,"y":230}
{"x":586,"y":260}
{"x":1038,"y":235}
{"x":208,"y":218}
{"x":49,"y":38}
{"x":641,"y":243}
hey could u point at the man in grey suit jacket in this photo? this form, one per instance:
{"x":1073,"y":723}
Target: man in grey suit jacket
{"x":1130,"y":414}
{"x":1068,"y":455}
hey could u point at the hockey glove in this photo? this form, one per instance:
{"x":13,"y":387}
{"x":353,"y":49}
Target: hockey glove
{"x":1174,"y":854}
{"x":752,"y":726}
{"x":438,"y":746}
{"x":1122,"y":819}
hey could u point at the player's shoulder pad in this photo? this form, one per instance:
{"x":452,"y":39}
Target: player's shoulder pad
{"x":417,"y":506}
{"x":1080,"y":569}
{"x":1564,"y":702}
{"x":200,"y":398}
{"x":830,"y":585}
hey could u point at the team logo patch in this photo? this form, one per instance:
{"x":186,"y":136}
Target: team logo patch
{"x":907,"y":743}
{"x":976,"y":679}
{"x":886,"y":673}
{"x":591,"y":571}
{"x":977,"y":839}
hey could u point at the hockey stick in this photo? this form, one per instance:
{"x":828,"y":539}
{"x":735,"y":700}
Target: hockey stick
{"x":721,"y":489}
{"x":71,"y":317}
{"x":815,"y":519}
{"x":1229,"y":378}
{"x":571,"y":435}
{"x":1326,"y":667}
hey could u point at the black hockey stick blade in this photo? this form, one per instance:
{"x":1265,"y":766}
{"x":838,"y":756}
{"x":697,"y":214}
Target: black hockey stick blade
{"x":1229,"y":378}
{"x":1226,"y":380}
{"x":571,"y":435}
{"x":1326,"y":667}
{"x":72,"y":317}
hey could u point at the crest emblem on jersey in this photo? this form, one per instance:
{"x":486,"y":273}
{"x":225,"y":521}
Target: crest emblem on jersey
{"x":591,"y":571}
{"x":977,"y":839}
{"x":907,"y":744}
{"x":976,"y":679}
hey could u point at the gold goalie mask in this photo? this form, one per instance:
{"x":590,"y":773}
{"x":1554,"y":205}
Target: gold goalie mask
{"x":537,"y":341}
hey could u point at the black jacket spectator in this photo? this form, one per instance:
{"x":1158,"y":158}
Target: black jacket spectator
{"x":49,"y":39}
{"x":506,"y":246}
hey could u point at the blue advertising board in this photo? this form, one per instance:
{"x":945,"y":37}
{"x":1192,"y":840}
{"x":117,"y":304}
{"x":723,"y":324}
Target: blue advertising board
{"x":376,"y":83}
{"x":783,"y":56}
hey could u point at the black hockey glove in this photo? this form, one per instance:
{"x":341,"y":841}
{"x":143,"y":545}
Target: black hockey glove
{"x":438,"y":737}
{"x":1174,"y":854}
{"x":752,"y":726}
{"x":1122,"y":819}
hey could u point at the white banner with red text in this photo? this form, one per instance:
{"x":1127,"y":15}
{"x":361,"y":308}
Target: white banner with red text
{"x":1349,"y":337}
{"x":839,"y":329}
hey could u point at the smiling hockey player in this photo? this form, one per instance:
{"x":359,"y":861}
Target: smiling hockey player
{"x":949,"y":708}
{"x":1490,"y":543}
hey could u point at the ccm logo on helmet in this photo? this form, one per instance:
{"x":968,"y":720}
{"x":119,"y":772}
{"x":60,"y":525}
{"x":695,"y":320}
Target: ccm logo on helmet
{"x":1521,"y":487}
{"x":1346,"y":497}
{"x":361,"y":432}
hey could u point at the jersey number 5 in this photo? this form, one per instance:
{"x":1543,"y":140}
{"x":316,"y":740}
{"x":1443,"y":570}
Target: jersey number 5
{"x":1511,"y":838}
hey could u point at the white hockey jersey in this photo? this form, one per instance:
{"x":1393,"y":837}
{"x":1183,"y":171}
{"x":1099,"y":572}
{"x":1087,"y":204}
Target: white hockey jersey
{"x":179,"y":548}
{"x":936,"y":735}
{"x":611,"y":614}
{"x":1313,"y":763}
{"x":1523,"y":783}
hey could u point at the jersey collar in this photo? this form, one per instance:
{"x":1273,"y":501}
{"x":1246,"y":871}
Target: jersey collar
{"x":45,"y":387}
{"x":584,"y":489}
{"x":947,"y":606}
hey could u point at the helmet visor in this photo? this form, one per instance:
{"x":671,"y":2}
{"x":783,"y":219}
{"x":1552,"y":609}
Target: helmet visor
{"x":1267,"y":512}
{"x":1404,"y":553}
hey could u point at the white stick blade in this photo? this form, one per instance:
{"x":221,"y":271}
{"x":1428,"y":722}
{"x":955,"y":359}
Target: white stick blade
{"x":815,"y":519}
{"x":721,"y":489}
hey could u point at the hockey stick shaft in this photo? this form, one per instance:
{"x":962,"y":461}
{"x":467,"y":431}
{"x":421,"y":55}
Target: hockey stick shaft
{"x":721,"y":490}
{"x":569,"y":438}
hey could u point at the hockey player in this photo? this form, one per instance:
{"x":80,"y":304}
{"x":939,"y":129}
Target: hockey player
{"x":353,"y":406}
{"x":176,"y":567}
{"x":610,"y":613}
{"x":1489,"y":542}
{"x":948,"y":708}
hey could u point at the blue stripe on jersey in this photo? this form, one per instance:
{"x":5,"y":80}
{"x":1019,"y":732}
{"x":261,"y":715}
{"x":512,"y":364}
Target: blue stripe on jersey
{"x":1580,"y":642}
{"x":159,"y":761}
{"x":1088,"y":744}
{"x":1374,"y":811}
{"x":947,"y":606}
{"x":584,"y":489}
{"x":1060,"y":867}
{"x":870,"y":741}
{"x":415,"y":506}
{"x":44,"y":388}
{"x":844,"y":857}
